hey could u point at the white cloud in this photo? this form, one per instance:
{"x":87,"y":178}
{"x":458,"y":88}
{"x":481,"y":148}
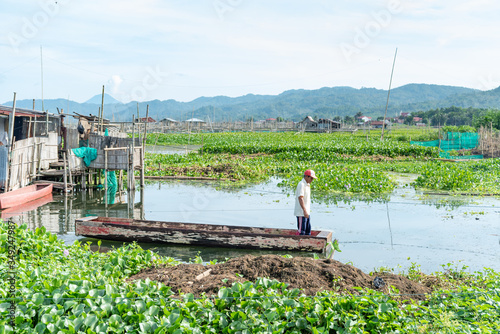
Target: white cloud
{"x":256,"y":47}
{"x":114,"y":84}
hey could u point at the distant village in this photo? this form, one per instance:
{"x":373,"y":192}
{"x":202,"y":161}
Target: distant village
{"x":309,"y":123}
{"x":38,"y":145}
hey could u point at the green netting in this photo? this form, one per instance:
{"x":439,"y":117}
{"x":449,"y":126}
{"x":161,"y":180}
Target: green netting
{"x":446,"y":155}
{"x":432,"y":143}
{"x":452,"y":141}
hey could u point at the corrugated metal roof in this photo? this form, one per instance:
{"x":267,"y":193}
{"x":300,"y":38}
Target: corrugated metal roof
{"x":195,"y":120}
{"x":169,"y":120}
{"x":4,"y":110}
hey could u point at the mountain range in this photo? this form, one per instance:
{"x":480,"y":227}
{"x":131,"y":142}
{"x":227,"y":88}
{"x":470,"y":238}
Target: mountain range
{"x":325,"y":102}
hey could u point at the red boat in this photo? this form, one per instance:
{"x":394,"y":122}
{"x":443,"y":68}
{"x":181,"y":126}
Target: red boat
{"x":22,"y":208}
{"x":24,"y":195}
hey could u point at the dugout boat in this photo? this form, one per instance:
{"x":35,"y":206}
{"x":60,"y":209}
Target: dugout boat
{"x":24,"y":195}
{"x":122,"y":229}
{"x":25,"y":207}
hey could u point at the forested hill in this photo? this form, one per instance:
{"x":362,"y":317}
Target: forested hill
{"x":292,"y":104}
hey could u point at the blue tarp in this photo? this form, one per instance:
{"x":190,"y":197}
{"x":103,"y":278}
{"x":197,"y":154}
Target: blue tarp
{"x":88,"y":154}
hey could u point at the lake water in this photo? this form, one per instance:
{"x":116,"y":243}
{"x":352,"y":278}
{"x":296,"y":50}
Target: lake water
{"x":410,"y":227}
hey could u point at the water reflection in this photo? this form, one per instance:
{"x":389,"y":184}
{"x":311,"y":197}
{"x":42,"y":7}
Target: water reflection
{"x":58,"y":213}
{"x":185,"y":253}
{"x":349,"y":199}
{"x":373,"y":232}
{"x":112,"y":188}
{"x":450,"y":202}
{"x":26,"y":207}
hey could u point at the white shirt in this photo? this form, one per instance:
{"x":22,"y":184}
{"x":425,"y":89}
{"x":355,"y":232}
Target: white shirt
{"x":303,"y":189}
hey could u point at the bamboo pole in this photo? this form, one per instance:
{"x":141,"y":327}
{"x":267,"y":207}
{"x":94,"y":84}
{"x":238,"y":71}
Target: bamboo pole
{"x":33,"y":159}
{"x":128,"y":170}
{"x":29,"y":128}
{"x":138,"y":123}
{"x":131,"y":170}
{"x":142,"y":169}
{"x":34,"y":127}
{"x":40,"y":149}
{"x":106,"y":178}
{"x":84,"y":178}
{"x":102,"y":110}
{"x":145,"y":127}
{"x":41,"y":74}
{"x":388,"y":93}
{"x":144,"y":146}
{"x":69,"y":168}
{"x":65,"y":174}
{"x":11,"y":124}
{"x":10,"y":143}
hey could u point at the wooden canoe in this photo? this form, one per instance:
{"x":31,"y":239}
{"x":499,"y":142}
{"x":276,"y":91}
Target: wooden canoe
{"x":122,"y":229}
{"x":25,"y":207}
{"x":24,"y":195}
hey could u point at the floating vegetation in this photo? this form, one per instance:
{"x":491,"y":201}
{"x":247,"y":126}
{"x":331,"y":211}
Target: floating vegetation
{"x":348,"y":164}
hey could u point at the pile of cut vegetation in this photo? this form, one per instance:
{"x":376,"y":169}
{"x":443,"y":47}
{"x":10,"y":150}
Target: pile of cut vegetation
{"x":308,"y":274}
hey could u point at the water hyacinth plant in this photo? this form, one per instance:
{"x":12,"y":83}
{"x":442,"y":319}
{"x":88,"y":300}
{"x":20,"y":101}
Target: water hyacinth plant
{"x":70,"y":289}
{"x":350,"y":164}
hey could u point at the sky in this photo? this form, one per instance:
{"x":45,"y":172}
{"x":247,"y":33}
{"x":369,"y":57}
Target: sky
{"x":182,"y":50}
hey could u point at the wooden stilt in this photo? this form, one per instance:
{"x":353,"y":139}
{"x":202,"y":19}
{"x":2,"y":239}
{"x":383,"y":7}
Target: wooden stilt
{"x":84,"y":179}
{"x":65,"y":173}
{"x":142,"y":167}
{"x":106,"y":178}
{"x":69,"y":169}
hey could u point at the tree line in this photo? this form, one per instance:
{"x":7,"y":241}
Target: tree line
{"x":457,"y":116}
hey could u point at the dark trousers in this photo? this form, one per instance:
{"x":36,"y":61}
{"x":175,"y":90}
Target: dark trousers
{"x":304,"y":225}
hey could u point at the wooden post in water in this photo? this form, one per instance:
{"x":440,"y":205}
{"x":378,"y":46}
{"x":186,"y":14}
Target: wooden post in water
{"x":65,"y":174}
{"x":142,"y":168}
{"x":69,"y":169}
{"x":106,"y":178}
{"x":84,"y":178}
{"x":138,"y":123}
{"x":131,"y":169}
{"x":128,"y":169}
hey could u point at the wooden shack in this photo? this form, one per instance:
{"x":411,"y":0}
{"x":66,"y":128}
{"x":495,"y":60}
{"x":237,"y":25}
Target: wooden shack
{"x":308,"y":123}
{"x":328,"y":124}
{"x":33,"y":143}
